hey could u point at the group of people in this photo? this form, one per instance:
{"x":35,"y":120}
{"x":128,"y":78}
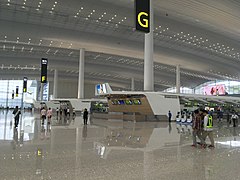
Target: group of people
{"x":66,"y":111}
{"x":46,"y":114}
{"x":203,"y":127}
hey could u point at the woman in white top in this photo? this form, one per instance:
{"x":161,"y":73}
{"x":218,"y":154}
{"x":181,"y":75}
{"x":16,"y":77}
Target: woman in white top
{"x":49,"y":115}
{"x":43,"y":114}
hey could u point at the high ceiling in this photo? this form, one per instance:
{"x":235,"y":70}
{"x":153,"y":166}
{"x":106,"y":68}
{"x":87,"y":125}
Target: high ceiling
{"x":200,"y":35}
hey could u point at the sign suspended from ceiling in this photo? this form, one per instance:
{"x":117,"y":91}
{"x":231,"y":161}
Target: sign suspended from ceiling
{"x":44,"y":63}
{"x":142,"y":15}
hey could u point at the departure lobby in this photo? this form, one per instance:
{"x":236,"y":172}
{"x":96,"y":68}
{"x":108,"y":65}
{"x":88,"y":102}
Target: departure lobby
{"x":127,"y":89}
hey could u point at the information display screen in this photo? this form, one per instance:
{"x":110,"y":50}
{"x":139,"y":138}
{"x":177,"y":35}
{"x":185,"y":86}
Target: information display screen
{"x":128,"y":102}
{"x":121,"y":102}
{"x":215,"y":90}
{"x":137,"y":101}
{"x":101,"y":89}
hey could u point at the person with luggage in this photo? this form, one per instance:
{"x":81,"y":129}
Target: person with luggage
{"x":16,"y":113}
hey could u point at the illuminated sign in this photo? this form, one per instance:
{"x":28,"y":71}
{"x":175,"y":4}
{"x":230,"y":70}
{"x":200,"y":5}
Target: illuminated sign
{"x":17,"y":88}
{"x":142,"y":8}
{"x":25,"y":84}
{"x":44,"y":63}
{"x":101,"y":89}
{"x":215,"y":90}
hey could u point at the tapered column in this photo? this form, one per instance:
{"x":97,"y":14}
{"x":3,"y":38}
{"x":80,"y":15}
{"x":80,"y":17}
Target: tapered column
{"x":148,"y":55}
{"x":178,"y":83}
{"x":81,"y":74}
{"x":55,"y":84}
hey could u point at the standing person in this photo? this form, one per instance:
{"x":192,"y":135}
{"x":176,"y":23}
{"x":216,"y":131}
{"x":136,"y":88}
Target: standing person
{"x":68,"y":112}
{"x":43,"y":114}
{"x":74,"y":113}
{"x":208,"y":128}
{"x":16,"y":113}
{"x":169,"y":116}
{"x":49,"y":115}
{"x":57,"y":110}
{"x":85,"y":116}
{"x":197,"y":128}
{"x":65,"y":111}
{"x":61,"y":111}
{"x":234,"y":118}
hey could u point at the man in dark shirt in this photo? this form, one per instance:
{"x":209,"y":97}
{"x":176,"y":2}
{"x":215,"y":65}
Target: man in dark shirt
{"x":85,"y":116}
{"x":16,"y":113}
{"x":197,"y":127}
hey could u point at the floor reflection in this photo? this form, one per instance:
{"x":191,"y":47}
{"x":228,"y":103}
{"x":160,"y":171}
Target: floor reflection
{"x":66,"y":149}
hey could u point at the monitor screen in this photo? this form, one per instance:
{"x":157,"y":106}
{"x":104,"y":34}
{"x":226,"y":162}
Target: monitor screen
{"x":137,"y":101}
{"x":215,"y":90}
{"x":101,"y":89}
{"x":121,"y":102}
{"x":114,"y":102}
{"x":128,"y":102}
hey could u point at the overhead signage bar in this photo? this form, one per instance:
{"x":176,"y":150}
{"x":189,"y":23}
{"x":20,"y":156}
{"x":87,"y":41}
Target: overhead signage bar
{"x":142,"y":15}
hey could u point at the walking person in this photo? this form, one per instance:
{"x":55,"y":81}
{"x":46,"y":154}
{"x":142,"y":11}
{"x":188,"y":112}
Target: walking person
{"x":61,"y":111}
{"x":57,"y":110}
{"x":208,"y":128}
{"x":43,"y":114}
{"x":197,"y":128}
{"x":169,"y":116}
{"x":85,"y":116}
{"x":49,"y":115}
{"x":16,"y":113}
{"x":234,"y":118}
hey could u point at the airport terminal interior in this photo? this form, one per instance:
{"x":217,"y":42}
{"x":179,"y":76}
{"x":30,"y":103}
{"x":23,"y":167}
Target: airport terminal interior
{"x":104,"y":89}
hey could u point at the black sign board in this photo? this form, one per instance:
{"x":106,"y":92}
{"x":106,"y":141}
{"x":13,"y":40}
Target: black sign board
{"x":17,"y":88}
{"x":44,"y":63}
{"x":25,"y":84}
{"x":142,"y":10}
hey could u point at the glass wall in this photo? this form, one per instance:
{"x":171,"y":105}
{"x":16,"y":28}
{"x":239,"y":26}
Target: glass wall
{"x":8,"y":88}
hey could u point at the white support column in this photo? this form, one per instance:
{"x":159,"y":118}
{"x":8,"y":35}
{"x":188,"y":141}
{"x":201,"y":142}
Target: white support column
{"x":178,"y":83}
{"x":148,"y":55}
{"x":55,"y":84}
{"x":132,"y":85}
{"x":81,"y":74}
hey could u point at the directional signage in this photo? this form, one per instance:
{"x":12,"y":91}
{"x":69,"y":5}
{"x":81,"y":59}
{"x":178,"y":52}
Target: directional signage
{"x":44,"y":63}
{"x":25,"y":84}
{"x":142,"y":8}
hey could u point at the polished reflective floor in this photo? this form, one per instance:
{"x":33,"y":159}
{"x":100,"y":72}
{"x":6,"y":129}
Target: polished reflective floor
{"x":66,"y":149}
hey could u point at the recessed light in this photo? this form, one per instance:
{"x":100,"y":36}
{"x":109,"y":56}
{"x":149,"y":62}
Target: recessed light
{"x":55,"y":2}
